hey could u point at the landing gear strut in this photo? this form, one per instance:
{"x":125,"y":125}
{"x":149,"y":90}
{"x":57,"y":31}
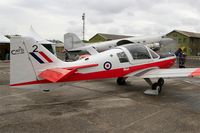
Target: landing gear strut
{"x":121,"y":80}
{"x":156,"y":88}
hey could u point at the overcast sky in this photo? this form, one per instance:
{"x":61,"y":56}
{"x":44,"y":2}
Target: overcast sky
{"x":52,"y":18}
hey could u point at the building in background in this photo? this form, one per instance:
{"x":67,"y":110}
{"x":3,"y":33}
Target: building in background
{"x":101,"y":37}
{"x":189,"y":42}
{"x":4,"y":48}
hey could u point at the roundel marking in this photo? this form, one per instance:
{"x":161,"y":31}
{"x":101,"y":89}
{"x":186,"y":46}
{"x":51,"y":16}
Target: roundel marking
{"x":107,"y":65}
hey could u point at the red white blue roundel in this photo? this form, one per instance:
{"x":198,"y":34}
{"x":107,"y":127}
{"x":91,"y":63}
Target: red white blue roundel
{"x":107,"y":65}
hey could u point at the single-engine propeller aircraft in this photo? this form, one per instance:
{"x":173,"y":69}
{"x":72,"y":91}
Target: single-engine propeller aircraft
{"x":33,"y":66}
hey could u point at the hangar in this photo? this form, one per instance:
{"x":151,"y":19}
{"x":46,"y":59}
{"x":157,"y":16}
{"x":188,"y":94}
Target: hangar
{"x":100,"y":37}
{"x":188,"y":41}
{"x":4,"y":48}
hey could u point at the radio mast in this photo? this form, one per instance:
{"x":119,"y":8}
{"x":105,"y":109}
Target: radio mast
{"x":83,"y":18}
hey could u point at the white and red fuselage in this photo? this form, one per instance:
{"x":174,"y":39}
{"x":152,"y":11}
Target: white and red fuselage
{"x":113,"y":63}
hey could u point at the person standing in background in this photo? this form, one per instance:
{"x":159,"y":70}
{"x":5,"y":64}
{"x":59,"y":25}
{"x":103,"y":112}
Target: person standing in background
{"x":180,"y":58}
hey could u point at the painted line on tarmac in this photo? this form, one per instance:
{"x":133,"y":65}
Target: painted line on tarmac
{"x":193,"y":83}
{"x":187,"y":81}
{"x":144,"y":118}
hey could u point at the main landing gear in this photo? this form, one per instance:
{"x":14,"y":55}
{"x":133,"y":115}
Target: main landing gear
{"x":156,"y":88}
{"x":46,"y":90}
{"x":121,"y":80}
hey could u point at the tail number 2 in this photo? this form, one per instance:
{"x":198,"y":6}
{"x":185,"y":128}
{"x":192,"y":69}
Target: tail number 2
{"x":35,"y":48}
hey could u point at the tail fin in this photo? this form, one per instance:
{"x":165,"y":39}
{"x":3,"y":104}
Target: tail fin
{"x":28,"y":59}
{"x":72,"y":41}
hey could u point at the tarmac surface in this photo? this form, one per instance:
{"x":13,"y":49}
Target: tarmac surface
{"x":100,"y":107}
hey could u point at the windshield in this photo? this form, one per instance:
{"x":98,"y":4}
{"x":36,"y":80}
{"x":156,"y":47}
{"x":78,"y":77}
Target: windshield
{"x":138,"y":51}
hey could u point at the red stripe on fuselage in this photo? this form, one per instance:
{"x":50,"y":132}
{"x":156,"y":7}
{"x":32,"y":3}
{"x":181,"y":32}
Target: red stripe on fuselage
{"x":113,"y":73}
{"x":119,"y":72}
{"x":45,"y":56}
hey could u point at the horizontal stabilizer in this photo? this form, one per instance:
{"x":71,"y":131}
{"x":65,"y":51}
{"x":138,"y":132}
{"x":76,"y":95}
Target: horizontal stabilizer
{"x":56,"y":74}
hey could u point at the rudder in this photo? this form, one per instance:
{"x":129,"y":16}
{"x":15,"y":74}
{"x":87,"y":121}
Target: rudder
{"x":21,"y":69}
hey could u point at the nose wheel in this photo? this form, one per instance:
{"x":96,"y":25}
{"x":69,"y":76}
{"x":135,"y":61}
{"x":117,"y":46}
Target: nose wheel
{"x":161,"y":81}
{"x":156,"y":88}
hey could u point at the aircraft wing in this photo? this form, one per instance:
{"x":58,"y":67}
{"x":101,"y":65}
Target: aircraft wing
{"x":169,"y":73}
{"x":56,"y":74}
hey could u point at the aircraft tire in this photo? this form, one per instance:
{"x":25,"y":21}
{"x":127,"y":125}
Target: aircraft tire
{"x":157,"y":86}
{"x":161,"y":81}
{"x":121,"y":81}
{"x":46,"y":90}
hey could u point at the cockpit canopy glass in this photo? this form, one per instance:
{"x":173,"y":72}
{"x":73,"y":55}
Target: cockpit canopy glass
{"x":153,"y":54}
{"x":138,"y":51}
{"x":122,"y":57}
